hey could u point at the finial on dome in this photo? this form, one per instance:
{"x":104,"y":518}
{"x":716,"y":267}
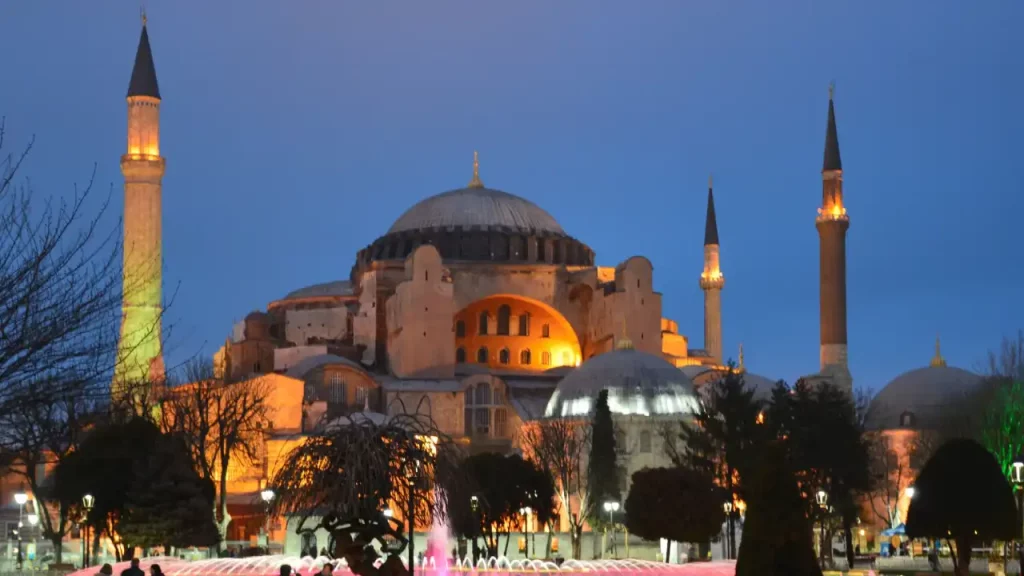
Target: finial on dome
{"x":741,"y":356}
{"x":476,"y":182}
{"x":710,"y":182}
{"x":938,"y":361}
{"x":624,"y":343}
{"x":142,"y":13}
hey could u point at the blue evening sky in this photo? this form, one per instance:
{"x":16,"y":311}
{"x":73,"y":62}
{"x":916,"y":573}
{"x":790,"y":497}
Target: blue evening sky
{"x":296,"y":132}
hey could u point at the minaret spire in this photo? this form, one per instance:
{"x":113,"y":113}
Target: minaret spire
{"x":832,"y":223}
{"x":476,"y":182}
{"x":938,"y":361}
{"x":711,"y":282}
{"x":143,"y":82}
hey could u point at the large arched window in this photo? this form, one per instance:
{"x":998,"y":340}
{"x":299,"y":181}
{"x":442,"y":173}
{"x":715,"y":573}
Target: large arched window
{"x":460,"y":329}
{"x":485,"y":415}
{"x":481,"y":355}
{"x":337,"y":390}
{"x":524,"y":324}
{"x":460,"y":355}
{"x":504,"y":316}
{"x":504,"y":356}
{"x":485,"y":319}
{"x":524,"y":357}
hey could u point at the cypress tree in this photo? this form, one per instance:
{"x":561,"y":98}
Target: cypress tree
{"x":602,"y":467}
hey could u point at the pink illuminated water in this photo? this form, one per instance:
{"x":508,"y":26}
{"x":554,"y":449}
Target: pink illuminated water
{"x":307,"y":566}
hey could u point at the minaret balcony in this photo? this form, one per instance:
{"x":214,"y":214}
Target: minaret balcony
{"x":834,"y":214}
{"x":713,"y":280}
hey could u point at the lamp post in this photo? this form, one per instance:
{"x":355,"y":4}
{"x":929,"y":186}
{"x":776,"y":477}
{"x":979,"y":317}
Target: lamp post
{"x":267,"y":495}
{"x":474,"y":505}
{"x":413,"y":473}
{"x":611,"y":508}
{"x":1018,"y":482}
{"x":20,"y":498}
{"x":727,"y":507}
{"x":87,"y":503}
{"x":33,"y":521}
{"x":822,"y":498}
{"x":525,"y":512}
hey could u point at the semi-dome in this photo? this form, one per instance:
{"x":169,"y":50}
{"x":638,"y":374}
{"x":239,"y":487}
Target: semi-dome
{"x":638,"y":383}
{"x":916,"y":399}
{"x":477,"y":208}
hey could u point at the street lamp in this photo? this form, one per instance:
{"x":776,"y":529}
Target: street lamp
{"x":611,"y":508}
{"x":910,"y":492}
{"x":388,"y":513}
{"x":727,"y":507}
{"x":33,"y":520}
{"x":525,"y":512}
{"x":267,"y":495}
{"x":822,"y":498}
{"x":474,"y":505}
{"x":1018,"y":481}
{"x":87,"y":503}
{"x":20,"y":498}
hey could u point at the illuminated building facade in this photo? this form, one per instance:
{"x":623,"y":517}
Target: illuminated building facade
{"x":140,"y":358}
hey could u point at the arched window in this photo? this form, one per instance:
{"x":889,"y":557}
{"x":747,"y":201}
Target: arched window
{"x":485,"y":319}
{"x":524,"y":357}
{"x":485,"y":415}
{"x":460,"y":329}
{"x":504,"y":356}
{"x":545,"y":331}
{"x":481,"y":355}
{"x":907,"y":420}
{"x":362,"y":395}
{"x":645,"y":442}
{"x":504,"y":315}
{"x":337,"y":391}
{"x":524,"y":324}
{"x":545,"y":358}
{"x":460,"y":355}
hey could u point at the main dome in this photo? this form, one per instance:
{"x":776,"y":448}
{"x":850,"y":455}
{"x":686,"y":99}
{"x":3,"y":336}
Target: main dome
{"x":921,"y":395}
{"x":638,"y":383}
{"x":477,"y":208}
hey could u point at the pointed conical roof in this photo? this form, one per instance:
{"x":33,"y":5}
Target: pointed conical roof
{"x":832,"y":160}
{"x":711,"y":224}
{"x":143,"y":82}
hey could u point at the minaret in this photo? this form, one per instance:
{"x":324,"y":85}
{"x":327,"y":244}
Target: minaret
{"x":140,"y":359}
{"x":832,"y":223}
{"x":711,"y":282}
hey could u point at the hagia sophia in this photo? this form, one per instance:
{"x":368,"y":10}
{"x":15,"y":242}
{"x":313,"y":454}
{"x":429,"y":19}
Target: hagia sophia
{"x":478,"y":309}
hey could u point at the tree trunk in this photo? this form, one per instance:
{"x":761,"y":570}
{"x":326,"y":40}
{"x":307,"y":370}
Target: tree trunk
{"x":962,"y":561}
{"x":225,"y":518}
{"x":576,"y":536}
{"x":848,"y":534}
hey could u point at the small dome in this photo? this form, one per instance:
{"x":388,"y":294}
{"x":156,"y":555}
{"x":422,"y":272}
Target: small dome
{"x":638,"y":383}
{"x":915,"y":399}
{"x":477,"y":207}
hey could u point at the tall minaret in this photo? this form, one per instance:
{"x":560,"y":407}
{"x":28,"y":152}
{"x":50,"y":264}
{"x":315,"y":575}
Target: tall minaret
{"x":140,"y":358}
{"x":711,"y":282}
{"x":832,"y":223}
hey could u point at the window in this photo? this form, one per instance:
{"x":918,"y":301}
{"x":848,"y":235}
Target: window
{"x":485,"y":319}
{"x":524,"y":324}
{"x":460,"y":329}
{"x":645,"y":442}
{"x":524,"y":357}
{"x":504,"y":356}
{"x":337,"y":392}
{"x":362,"y":395}
{"x":504,"y":315}
{"x":485,"y":414}
{"x":460,"y":355}
{"x":481,"y":355}
{"x":545,"y":358}
{"x":907,"y":420}
{"x":545,"y":331}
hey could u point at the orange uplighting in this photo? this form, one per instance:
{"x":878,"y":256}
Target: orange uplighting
{"x":835,"y":212}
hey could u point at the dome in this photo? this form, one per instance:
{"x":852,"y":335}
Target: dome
{"x":921,"y":394}
{"x":638,"y":383}
{"x":324,"y":290}
{"x":477,"y":208}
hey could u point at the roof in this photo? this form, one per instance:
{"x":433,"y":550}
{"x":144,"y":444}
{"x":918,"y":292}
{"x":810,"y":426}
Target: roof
{"x":711,"y":223}
{"x":324,"y":290}
{"x":761,"y":385}
{"x":143,"y":82}
{"x":304,"y":366}
{"x":637,"y":383}
{"x":480,"y":208}
{"x":529,"y":405}
{"x":832,"y":159}
{"x":924,"y":392}
{"x":420,"y":385}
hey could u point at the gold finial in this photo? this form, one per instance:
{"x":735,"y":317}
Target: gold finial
{"x":142,"y":13}
{"x":476,"y":182}
{"x":741,"y":355}
{"x":624,"y":343}
{"x":831,"y":89}
{"x":938,"y":361}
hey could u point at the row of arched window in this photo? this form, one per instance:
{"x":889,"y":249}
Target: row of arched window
{"x":505,"y":356}
{"x":504,"y":324}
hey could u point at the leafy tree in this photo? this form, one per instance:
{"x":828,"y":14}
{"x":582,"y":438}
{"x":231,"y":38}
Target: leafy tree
{"x":602,"y":464}
{"x":963,"y":495}
{"x":502,"y":486}
{"x":560,"y":447}
{"x":777,"y":534}
{"x":678,"y":504}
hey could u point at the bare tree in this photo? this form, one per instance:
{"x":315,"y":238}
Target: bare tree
{"x":561,"y":448}
{"x":221,"y":422}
